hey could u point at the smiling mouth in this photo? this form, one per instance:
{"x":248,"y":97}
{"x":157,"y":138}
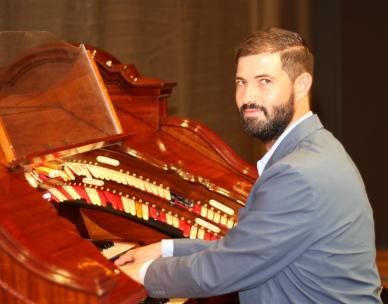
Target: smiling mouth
{"x":252,"y":112}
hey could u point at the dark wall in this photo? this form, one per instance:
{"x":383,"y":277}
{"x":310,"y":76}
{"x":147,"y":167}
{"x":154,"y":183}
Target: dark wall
{"x":351,"y":91}
{"x":365,"y":95}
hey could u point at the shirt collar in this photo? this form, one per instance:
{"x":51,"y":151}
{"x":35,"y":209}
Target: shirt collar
{"x":264,"y":160}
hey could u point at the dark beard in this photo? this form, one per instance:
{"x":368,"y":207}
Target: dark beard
{"x":274,"y":126}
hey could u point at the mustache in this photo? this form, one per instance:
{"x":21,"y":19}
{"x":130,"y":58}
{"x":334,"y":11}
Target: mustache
{"x":250,"y":106}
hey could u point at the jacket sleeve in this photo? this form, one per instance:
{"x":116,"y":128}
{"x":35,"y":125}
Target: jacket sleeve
{"x":184,"y":247}
{"x":272,"y":231}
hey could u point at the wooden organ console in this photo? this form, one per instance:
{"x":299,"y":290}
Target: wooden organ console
{"x":89,"y":153}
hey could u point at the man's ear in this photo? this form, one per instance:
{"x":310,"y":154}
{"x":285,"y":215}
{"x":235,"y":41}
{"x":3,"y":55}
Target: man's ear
{"x":302,"y":85}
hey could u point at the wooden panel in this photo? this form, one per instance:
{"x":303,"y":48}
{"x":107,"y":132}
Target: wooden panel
{"x":382,"y":265}
{"x":42,"y":255}
{"x":51,"y":86}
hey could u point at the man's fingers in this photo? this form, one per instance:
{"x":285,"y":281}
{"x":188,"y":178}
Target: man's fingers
{"x":140,"y":254}
{"x":125,"y":258}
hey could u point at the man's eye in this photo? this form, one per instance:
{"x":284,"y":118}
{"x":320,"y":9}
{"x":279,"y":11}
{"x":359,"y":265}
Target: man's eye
{"x":240,"y":82}
{"x":265,"y":81}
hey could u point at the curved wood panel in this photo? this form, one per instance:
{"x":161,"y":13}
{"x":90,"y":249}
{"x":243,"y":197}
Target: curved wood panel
{"x":201,"y":134}
{"x":43,"y":255}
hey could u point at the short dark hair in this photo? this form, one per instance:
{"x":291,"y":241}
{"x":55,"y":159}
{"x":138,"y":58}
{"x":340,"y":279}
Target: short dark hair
{"x":295,"y":56}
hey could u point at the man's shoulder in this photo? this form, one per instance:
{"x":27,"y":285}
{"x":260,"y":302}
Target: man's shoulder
{"x":318,"y":150}
{"x":314,"y":160}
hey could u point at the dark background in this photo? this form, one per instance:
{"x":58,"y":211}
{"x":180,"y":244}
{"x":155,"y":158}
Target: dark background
{"x":351,"y":91}
{"x":192,"y":42}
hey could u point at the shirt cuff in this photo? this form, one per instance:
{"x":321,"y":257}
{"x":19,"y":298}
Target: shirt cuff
{"x":142,"y":271}
{"x":167,"y":248}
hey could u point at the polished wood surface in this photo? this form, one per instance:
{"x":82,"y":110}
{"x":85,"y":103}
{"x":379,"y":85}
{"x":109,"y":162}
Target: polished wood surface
{"x":382,"y":265}
{"x":43,"y":257}
{"x":52,"y":88}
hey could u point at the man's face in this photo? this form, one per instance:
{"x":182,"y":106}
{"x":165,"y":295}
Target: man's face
{"x":264,"y":96}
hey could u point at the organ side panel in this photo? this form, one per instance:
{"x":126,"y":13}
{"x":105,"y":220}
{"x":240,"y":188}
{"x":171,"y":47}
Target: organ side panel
{"x":44,"y":260}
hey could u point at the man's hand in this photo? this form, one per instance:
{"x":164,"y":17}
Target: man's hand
{"x":141,"y":254}
{"x":132,"y":270}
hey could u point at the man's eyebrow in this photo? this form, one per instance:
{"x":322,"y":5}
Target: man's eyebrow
{"x":262,"y":75}
{"x":255,"y":77}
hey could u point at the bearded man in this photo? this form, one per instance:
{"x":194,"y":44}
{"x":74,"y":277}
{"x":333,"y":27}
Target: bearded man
{"x":306,"y":233}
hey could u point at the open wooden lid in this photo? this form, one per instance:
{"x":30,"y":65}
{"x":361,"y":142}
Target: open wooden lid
{"x":52,"y":99}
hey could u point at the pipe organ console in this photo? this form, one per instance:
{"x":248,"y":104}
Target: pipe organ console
{"x":89,"y":153}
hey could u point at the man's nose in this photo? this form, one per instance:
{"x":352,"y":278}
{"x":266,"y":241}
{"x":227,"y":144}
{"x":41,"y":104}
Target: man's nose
{"x":250,"y":95}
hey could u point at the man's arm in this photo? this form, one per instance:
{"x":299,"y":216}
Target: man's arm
{"x":277,"y":228}
{"x":184,"y":247}
{"x":165,"y":248}
{"x":135,"y":262}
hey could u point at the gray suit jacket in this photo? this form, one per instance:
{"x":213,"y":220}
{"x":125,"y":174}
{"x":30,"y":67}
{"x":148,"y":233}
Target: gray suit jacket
{"x":306,"y":234}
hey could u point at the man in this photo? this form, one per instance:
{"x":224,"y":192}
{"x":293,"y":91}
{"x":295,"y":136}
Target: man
{"x":306,"y":234}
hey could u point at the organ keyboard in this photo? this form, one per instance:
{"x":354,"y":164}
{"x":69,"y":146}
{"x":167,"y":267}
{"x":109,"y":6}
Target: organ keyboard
{"x":89,"y":152}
